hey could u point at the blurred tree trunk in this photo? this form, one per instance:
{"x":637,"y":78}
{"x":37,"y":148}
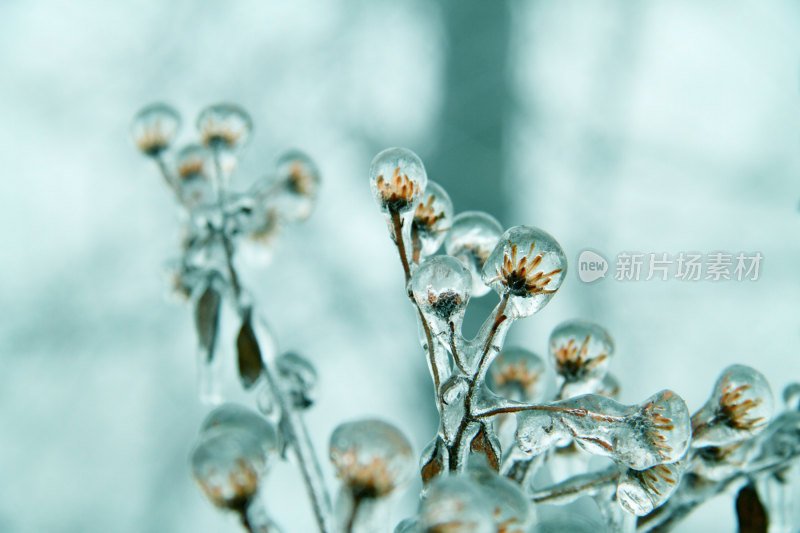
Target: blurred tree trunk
{"x":469,"y":160}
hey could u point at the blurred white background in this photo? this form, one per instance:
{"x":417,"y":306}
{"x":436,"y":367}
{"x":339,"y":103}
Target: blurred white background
{"x":620,"y":126}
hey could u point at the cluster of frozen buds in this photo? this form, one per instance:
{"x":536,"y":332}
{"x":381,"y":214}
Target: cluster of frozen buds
{"x":218,"y":220}
{"x":480,"y":388}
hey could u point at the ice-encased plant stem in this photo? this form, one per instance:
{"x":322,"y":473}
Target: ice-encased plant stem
{"x":659,"y":450}
{"x":217,"y":219}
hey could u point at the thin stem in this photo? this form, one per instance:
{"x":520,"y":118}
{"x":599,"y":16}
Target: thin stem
{"x":454,"y":349}
{"x":351,"y":520}
{"x":569,"y":487}
{"x":169,"y":178}
{"x":397,"y":228}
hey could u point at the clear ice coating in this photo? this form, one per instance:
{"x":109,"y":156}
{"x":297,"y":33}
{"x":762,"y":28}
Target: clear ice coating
{"x":227,"y":465}
{"x":567,"y":522}
{"x":397,"y":178}
{"x":231,"y":417}
{"x":641,"y":491}
{"x":510,"y":508}
{"x":224,"y":127}
{"x":527,"y":266}
{"x":432,"y":218}
{"x":297,"y":186}
{"x":440,"y":287}
{"x":472,"y":237}
{"x":718,"y":463}
{"x":192,"y":166}
{"x":516,"y":374}
{"x":581,"y":352}
{"x":154,"y":128}
{"x":300,"y":378}
{"x":740,"y":406}
{"x":371,"y":457}
{"x":455,"y":504}
{"x":639,"y":436}
{"x":791,"y":396}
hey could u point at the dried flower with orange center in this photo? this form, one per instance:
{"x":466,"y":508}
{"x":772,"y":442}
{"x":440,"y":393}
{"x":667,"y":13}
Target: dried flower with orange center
{"x":154,"y":128}
{"x":398,"y":192}
{"x":518,"y":374}
{"x":658,"y":425}
{"x":225,"y":126}
{"x":573,"y":362}
{"x":365,"y":480}
{"x":521,"y":277}
{"x":734,"y":410}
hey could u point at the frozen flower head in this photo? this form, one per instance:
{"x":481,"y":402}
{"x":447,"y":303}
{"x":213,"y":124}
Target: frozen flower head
{"x":154,"y":128}
{"x":192,"y":167}
{"x":641,"y":491}
{"x":298,"y":184}
{"x":441,"y":287}
{"x":228,"y":465}
{"x":517,"y":373}
{"x":432,"y":218}
{"x":397,"y":178}
{"x":455,"y":504}
{"x":511,"y":510}
{"x":232,"y":417}
{"x":224,"y":127}
{"x":581,"y":352}
{"x":472,"y":237}
{"x":371,"y":457}
{"x":740,"y":406}
{"x":527,"y":266}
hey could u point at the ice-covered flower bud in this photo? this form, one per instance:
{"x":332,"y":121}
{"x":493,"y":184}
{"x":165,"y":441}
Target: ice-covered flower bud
{"x":224,"y":126}
{"x":371,"y":457}
{"x":791,"y":396}
{"x":154,"y":128}
{"x":740,"y":406}
{"x":432,"y":218}
{"x":472,"y":237}
{"x":192,"y":168}
{"x":440,"y":287}
{"x":516,"y":374}
{"x":641,"y":491}
{"x":227,"y":465}
{"x":397,"y":178}
{"x":511,"y":510}
{"x":581,"y":352}
{"x":638,"y":436}
{"x":300,"y":378}
{"x":717,"y":463}
{"x":231,"y":417}
{"x":298,"y":183}
{"x":527,"y":266}
{"x":455,"y":504}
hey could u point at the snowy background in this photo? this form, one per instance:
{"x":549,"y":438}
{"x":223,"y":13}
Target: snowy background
{"x":619,"y":126}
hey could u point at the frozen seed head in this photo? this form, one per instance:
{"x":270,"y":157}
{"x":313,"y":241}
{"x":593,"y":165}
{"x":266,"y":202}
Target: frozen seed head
{"x":234,"y":417}
{"x":641,"y":491}
{"x":432,"y":218}
{"x":397,"y":179}
{"x":192,"y":162}
{"x":510,"y":508}
{"x":455,"y":504}
{"x":472,"y":237}
{"x":740,"y":406}
{"x":154,"y":128}
{"x":441,"y":288}
{"x":224,"y":126}
{"x":662,"y":426}
{"x":371,"y":457}
{"x":227,"y":465}
{"x":527,"y":265}
{"x":300,"y":183}
{"x":516,"y":373}
{"x":581,"y":351}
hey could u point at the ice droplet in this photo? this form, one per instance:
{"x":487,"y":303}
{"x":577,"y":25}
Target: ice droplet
{"x":154,"y":128}
{"x":472,"y":237}
{"x":441,"y":289}
{"x":740,"y":406}
{"x":234,"y":417}
{"x":432,"y":218}
{"x":371,"y":457}
{"x":528,"y":265}
{"x":224,"y":126}
{"x":581,"y":352}
{"x":228,"y":465}
{"x":397,"y":178}
{"x":516,"y":374}
{"x":455,"y":504}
